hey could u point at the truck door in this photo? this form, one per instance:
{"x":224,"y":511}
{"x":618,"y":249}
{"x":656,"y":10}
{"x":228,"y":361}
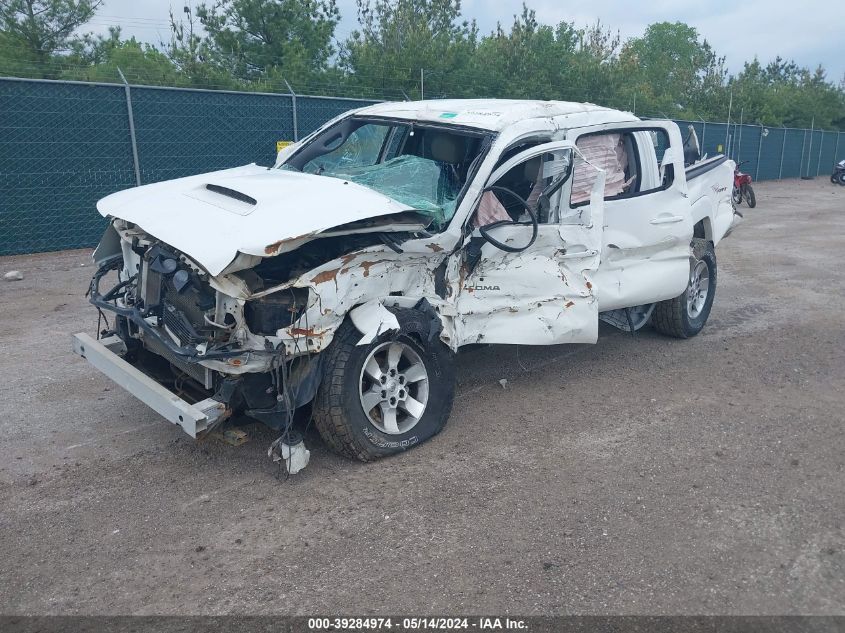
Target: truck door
{"x":530,"y":280}
{"x":648,"y":224}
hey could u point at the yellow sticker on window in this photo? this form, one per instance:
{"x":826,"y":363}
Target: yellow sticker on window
{"x":280,"y":145}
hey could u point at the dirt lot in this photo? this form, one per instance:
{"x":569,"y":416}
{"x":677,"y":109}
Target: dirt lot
{"x":640,"y":475}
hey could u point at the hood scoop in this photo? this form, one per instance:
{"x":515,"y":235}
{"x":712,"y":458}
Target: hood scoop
{"x":226,"y":198}
{"x":237,"y":195}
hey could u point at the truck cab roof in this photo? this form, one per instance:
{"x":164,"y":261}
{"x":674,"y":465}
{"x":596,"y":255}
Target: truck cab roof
{"x":497,"y":114}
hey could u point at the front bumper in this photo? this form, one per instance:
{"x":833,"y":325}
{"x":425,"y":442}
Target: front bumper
{"x":193,"y":418}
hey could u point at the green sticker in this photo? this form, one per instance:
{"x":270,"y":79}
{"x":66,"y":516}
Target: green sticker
{"x":448,"y":115}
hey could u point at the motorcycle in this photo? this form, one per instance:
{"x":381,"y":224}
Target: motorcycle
{"x":838,"y":175}
{"x":742,"y":187}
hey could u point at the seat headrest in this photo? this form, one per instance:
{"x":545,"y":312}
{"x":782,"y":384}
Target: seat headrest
{"x":532,"y":168}
{"x":528,"y":171}
{"x":446,"y":148}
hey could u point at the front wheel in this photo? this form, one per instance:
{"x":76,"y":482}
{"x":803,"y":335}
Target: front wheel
{"x":383,"y":398}
{"x":841,"y":178}
{"x":685,"y":315}
{"x":750,"y":199}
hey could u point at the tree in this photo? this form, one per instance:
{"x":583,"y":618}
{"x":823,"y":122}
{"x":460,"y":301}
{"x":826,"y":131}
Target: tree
{"x":42,"y":28}
{"x":783,"y":93}
{"x":252,"y":39}
{"x":190,"y":53}
{"x":401,"y":42}
{"x":596,"y":73}
{"x":670,"y":69}
{"x":99,"y":58}
{"x":529,"y":61}
{"x":538,"y":61}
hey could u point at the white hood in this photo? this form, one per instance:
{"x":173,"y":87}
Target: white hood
{"x":249,"y":209}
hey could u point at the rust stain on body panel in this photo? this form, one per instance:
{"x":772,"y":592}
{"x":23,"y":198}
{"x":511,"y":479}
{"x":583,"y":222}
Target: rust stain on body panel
{"x":273,"y":249}
{"x":326,"y":275}
{"x":367,"y":265}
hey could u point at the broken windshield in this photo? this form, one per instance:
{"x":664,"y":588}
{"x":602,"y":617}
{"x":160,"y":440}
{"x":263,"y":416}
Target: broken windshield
{"x":422,"y":184}
{"x":424,"y":168}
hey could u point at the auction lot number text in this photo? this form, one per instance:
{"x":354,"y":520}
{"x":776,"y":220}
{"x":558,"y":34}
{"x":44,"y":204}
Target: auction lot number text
{"x":416,"y":624}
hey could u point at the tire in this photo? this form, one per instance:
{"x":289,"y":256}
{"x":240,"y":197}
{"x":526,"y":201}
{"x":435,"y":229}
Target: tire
{"x":750,"y":198}
{"x":736,"y":196}
{"x":683,"y":317}
{"x":841,"y":178}
{"x":834,"y":179}
{"x":339,"y":412}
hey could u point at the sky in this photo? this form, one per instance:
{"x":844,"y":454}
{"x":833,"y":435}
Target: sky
{"x":809,"y":32}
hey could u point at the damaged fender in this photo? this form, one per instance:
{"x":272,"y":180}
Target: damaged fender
{"x":373,"y":319}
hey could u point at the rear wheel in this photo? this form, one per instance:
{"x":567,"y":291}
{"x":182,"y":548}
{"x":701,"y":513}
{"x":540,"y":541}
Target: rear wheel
{"x":842,"y":178}
{"x":383,"y":398}
{"x":685,"y":315}
{"x":750,"y":199}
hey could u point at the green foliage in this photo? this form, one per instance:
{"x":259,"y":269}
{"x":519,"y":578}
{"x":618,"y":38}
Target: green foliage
{"x":782,"y":93}
{"x":193,"y":58}
{"x":98,"y":59}
{"x":35,"y":30}
{"x":671,"y":69}
{"x":251,"y":39}
{"x":403,"y":45}
{"x":400,"y":39}
{"x":532,"y":59}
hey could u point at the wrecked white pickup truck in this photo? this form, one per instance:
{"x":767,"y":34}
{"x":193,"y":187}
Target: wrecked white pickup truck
{"x":344,"y":278}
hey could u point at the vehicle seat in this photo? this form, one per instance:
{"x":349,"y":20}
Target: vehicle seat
{"x":449,"y":151}
{"x":445,"y":148}
{"x":520,"y":179}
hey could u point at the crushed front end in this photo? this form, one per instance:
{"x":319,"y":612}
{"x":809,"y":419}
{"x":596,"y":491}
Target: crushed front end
{"x":168,"y":321}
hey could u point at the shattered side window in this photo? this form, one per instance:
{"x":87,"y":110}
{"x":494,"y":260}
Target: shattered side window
{"x":425,"y":185}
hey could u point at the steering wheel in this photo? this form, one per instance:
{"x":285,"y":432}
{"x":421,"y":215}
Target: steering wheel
{"x":534,"y":222}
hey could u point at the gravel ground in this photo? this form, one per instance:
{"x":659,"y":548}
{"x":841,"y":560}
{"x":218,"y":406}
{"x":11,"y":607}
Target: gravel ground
{"x":640,"y":475}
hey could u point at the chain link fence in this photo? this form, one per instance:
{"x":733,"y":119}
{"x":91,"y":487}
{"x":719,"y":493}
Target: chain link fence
{"x":771,"y":153}
{"x":65,"y":145}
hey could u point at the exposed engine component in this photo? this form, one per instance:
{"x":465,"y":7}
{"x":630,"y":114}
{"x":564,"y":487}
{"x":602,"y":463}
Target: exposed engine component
{"x":273,"y":312}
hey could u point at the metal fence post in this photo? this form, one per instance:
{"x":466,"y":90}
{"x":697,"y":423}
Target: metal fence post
{"x":782,"y":152}
{"x":801,"y":164}
{"x":759,"y":151}
{"x":131,"y":128}
{"x":293,"y":103}
{"x":810,"y":150}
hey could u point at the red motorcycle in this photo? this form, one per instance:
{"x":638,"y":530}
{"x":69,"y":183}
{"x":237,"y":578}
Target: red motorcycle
{"x":742,"y":187}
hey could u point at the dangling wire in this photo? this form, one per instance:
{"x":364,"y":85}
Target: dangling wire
{"x":288,"y":395}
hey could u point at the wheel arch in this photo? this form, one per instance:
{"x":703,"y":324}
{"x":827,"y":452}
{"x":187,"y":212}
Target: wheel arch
{"x":703,"y":229}
{"x":376,"y":316}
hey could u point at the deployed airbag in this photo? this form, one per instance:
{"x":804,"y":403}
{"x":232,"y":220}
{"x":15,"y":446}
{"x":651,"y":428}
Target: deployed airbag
{"x":604,"y":151}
